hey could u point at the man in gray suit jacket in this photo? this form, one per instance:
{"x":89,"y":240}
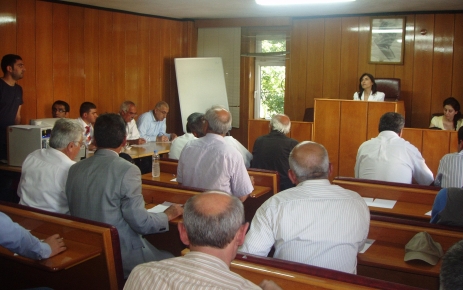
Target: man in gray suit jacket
{"x":107,"y":188}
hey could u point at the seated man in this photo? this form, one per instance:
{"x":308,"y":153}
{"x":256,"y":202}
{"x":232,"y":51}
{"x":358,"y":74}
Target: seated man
{"x":20,"y":241}
{"x":389,"y":157}
{"x":152,"y":124}
{"x":314,"y":223}
{"x":87,"y":118}
{"x":60,"y":109}
{"x":271,"y":151}
{"x":128,"y":112}
{"x":213,"y":226}
{"x":210,"y":163}
{"x":107,"y":188}
{"x":194,"y":129}
{"x":45,"y":171}
{"x":450,"y":172}
{"x":446,"y":209}
{"x":451,"y":276}
{"x":247,"y":156}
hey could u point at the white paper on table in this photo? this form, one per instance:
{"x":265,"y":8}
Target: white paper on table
{"x":384,"y":203}
{"x":159,"y":208}
{"x":174,"y":180}
{"x":367,"y":245}
{"x":428,"y":213}
{"x":368,"y":201}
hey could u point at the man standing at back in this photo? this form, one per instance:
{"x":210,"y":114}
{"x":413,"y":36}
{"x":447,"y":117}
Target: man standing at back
{"x":314,"y":223}
{"x":87,"y":118}
{"x":213,"y":226}
{"x":45,"y":171}
{"x":107,"y":188}
{"x":210,"y":163}
{"x":152,"y":124}
{"x":271,"y":151}
{"x":11,"y":97}
{"x":389,"y":157}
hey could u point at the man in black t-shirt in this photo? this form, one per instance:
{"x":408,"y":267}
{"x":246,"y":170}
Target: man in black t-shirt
{"x":11,"y":97}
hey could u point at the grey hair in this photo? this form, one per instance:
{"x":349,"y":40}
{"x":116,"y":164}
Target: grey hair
{"x":64,"y":132}
{"x":277,"y":124}
{"x":126,"y":105}
{"x":216,"y":124}
{"x":452,"y":267}
{"x":217,"y":231}
{"x":304,"y":167}
{"x":391,"y":122}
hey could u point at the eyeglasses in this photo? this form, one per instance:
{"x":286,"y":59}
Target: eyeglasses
{"x":58,"y":110}
{"x":162,"y":112}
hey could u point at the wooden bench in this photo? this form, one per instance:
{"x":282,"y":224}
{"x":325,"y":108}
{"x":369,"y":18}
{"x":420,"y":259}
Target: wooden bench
{"x":92,"y":259}
{"x":385,"y":258}
{"x":413,"y":201}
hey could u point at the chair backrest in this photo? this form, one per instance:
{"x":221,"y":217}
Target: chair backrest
{"x":390,"y":87}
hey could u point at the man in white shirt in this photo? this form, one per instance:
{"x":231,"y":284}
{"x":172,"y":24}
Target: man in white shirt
{"x":210,"y":163}
{"x":314,"y":223}
{"x":44,"y":172}
{"x":389,"y":157}
{"x":213,"y":226}
{"x":128,"y":112}
{"x":194,"y":129}
{"x":87,"y":118}
{"x":450,"y":172}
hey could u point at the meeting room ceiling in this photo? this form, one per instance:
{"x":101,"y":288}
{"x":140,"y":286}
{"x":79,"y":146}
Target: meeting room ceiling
{"x":210,"y":9}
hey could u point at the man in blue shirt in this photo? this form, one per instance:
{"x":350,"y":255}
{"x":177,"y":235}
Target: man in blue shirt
{"x":19,"y":240}
{"x":152,"y":124}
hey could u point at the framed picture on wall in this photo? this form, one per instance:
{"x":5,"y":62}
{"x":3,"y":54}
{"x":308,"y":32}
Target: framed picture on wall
{"x":387,"y":40}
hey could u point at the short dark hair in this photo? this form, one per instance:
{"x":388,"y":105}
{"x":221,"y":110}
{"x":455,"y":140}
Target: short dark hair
{"x":62,"y":103}
{"x":373,"y":87}
{"x":195,"y":124}
{"x":452,"y":267}
{"x":109,"y":131}
{"x":9,"y":60}
{"x":86,"y":107}
{"x":212,"y":230}
{"x":391,"y":121}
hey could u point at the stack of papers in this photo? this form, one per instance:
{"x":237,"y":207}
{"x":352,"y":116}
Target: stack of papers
{"x":377,"y":202}
{"x":160,"y":207}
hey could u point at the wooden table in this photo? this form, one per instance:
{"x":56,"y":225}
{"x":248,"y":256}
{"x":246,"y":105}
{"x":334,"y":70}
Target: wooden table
{"x":145,"y":150}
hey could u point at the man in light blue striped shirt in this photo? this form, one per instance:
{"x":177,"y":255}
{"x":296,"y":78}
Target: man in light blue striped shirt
{"x":314,"y":223}
{"x":450,"y":172}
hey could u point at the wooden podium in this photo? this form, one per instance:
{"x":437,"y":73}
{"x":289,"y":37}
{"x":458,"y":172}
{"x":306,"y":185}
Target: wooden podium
{"x":343,"y":125}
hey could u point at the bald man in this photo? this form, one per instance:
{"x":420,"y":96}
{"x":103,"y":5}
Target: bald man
{"x":314,"y":223}
{"x":210,"y":163}
{"x":271,"y":151}
{"x":214,"y":227}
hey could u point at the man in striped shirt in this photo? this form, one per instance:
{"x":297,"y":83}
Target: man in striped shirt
{"x":450,"y":172}
{"x":214,"y":227}
{"x":314,"y":223}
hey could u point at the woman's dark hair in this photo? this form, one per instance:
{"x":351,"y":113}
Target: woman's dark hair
{"x":456,"y":106}
{"x":373,"y":87}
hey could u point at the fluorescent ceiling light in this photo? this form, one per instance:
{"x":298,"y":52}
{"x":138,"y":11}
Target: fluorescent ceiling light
{"x":298,"y":2}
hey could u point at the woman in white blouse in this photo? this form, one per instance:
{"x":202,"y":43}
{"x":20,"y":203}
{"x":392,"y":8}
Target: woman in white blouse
{"x":451,"y":120}
{"x":367,"y":89}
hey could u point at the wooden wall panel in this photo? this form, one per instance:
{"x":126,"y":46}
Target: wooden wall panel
{"x":414,"y":136}
{"x":435,"y":145}
{"x":442,"y":61}
{"x":332,"y":58}
{"x":301,"y":131}
{"x":298,"y":73}
{"x":91,"y":61}
{"x":61,"y":83}
{"x":131,"y":61}
{"x":118,"y":56}
{"x":405,"y":72}
{"x":8,"y":28}
{"x":349,"y":57}
{"x":44,"y":58}
{"x":106,"y":85}
{"x":457,"y":74}
{"x":143,"y":64}
{"x":363,"y":46}
{"x":315,"y":52}
{"x":156,"y":64}
{"x":77,"y":41}
{"x":26,"y":49}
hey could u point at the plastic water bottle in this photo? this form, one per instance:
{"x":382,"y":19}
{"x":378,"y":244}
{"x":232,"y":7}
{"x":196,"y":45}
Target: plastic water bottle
{"x":156,"y":169}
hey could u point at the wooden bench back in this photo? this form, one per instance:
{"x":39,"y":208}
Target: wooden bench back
{"x":389,"y":190}
{"x":104,"y":271}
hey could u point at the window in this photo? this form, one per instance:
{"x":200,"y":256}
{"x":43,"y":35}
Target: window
{"x":270,"y":75}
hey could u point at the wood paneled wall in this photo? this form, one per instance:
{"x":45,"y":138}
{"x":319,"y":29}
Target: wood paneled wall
{"x":79,"y":54}
{"x":328,"y":55}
